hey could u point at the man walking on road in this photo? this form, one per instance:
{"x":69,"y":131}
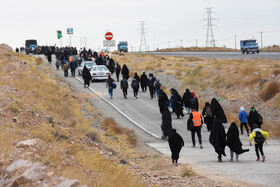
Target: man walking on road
{"x":151,"y":85}
{"x":124,"y":87}
{"x":109,"y":83}
{"x":243,"y":120}
{"x":144,"y":82}
{"x":65,"y":68}
{"x":196,"y":118}
{"x":118,"y":70}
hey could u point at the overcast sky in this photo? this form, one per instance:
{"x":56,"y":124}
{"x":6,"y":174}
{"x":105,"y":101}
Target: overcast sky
{"x":165,"y":20}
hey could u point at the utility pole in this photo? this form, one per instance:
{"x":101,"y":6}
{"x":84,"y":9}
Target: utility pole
{"x":143,"y":39}
{"x":210,"y":41}
{"x":261,"y":40}
{"x":196,"y":43}
{"x":235,"y":41}
{"x":181,"y":41}
{"x":169,"y":44}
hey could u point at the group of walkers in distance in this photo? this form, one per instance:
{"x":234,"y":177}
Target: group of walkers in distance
{"x":212,"y":114}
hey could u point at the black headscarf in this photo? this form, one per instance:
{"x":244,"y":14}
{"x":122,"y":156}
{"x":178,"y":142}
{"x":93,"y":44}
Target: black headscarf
{"x":233,"y":141}
{"x":125,"y":72}
{"x":163,"y":101}
{"x":218,"y":111}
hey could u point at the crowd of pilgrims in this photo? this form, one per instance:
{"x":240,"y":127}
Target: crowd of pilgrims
{"x":212,"y":114}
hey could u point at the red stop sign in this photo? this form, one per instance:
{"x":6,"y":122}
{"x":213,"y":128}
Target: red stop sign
{"x":109,"y":36}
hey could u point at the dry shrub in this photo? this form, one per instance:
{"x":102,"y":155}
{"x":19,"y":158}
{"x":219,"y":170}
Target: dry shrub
{"x":39,"y":61}
{"x":270,"y":91}
{"x":249,"y":69}
{"x":187,"y":171}
{"x":112,"y":128}
{"x":93,"y":136}
{"x":276,"y":72}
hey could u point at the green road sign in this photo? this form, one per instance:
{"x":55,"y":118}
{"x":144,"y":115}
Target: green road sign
{"x":59,"y":34}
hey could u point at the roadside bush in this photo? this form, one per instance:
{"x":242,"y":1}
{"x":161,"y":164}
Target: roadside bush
{"x":187,"y":171}
{"x":276,"y":72}
{"x":270,"y":91}
{"x":93,"y":136}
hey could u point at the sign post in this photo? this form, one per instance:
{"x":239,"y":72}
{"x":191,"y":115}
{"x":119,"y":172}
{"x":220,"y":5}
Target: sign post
{"x":109,"y":42}
{"x":70,"y":32}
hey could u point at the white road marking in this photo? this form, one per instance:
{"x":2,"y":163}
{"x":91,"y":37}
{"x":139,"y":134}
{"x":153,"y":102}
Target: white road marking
{"x":152,"y":134}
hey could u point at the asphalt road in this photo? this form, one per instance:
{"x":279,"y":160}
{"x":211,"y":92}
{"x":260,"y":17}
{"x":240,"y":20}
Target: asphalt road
{"x":220,"y":55}
{"x":143,"y":116}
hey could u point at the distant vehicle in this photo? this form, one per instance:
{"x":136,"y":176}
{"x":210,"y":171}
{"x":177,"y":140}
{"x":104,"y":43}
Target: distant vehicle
{"x":30,"y":46}
{"x":99,"y":72}
{"x":122,"y":46}
{"x":88,"y":64}
{"x":249,"y":46}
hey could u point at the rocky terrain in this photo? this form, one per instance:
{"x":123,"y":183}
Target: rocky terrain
{"x":52,"y":136}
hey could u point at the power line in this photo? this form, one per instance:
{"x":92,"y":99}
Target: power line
{"x":210,"y":41}
{"x":143,"y":39}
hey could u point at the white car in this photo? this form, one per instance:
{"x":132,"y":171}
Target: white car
{"x":88,"y":64}
{"x":99,"y":72}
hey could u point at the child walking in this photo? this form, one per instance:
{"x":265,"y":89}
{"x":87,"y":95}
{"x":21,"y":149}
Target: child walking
{"x":259,"y":137}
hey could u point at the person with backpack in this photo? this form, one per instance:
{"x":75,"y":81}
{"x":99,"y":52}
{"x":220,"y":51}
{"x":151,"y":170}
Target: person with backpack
{"x":194,"y":101}
{"x":254,"y":118}
{"x":151,"y":84}
{"x":176,"y":103}
{"x":65,"y":68}
{"x":187,"y":100}
{"x":109,"y":84}
{"x":176,"y":143}
{"x":144,"y":82}
{"x":157,"y":86}
{"x":118,"y":70}
{"x":135,"y":87}
{"x":124,"y":87}
{"x":243,"y":119}
{"x":73,"y":66}
{"x":196,"y":119}
{"x":259,"y":137}
{"x":233,"y":142}
{"x":208,"y":116}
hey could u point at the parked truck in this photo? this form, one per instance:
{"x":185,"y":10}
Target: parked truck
{"x":30,"y":46}
{"x":247,"y":46}
{"x":122,"y":46}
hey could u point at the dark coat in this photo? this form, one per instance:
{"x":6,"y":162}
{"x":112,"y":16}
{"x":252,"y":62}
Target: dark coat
{"x":218,"y":111}
{"x":99,"y":61}
{"x":217,"y":137}
{"x":86,"y":75}
{"x":177,"y":103}
{"x":176,"y":143}
{"x":73,"y":64}
{"x":118,"y":69}
{"x":144,"y":80}
{"x":151,"y":81}
{"x":253,"y":118}
{"x":125,"y":72}
{"x":124,"y":83}
{"x":166,"y":124}
{"x":163,"y":101}
{"x":136,"y":77}
{"x":233,"y":141}
{"x":208,"y":120}
{"x":187,"y":98}
{"x":112,"y":65}
{"x":135,"y":84}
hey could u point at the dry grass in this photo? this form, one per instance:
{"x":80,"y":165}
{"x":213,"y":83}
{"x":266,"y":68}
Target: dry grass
{"x":270,"y":91}
{"x":112,"y":129}
{"x":187,"y":171}
{"x":39,"y":61}
{"x":62,"y":143}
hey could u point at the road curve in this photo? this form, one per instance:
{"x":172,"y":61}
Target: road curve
{"x":220,"y":55}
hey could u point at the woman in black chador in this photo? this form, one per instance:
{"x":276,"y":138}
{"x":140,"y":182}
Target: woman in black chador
{"x":177,"y":103}
{"x":176,"y":143}
{"x":217,"y":138}
{"x":125,"y":72}
{"x":86,"y":76}
{"x":233,"y":141}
